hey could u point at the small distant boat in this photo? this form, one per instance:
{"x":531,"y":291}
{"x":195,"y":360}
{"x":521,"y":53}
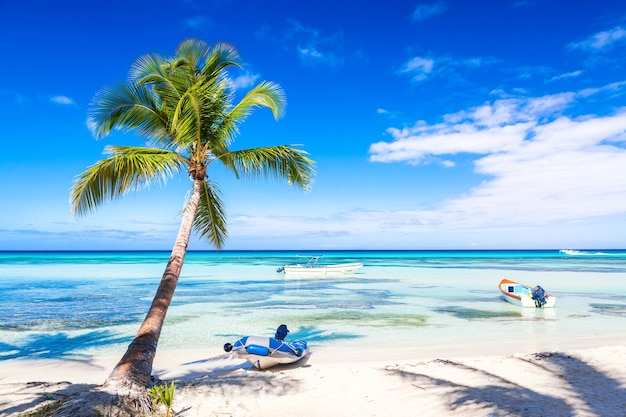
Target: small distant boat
{"x":574,"y":252}
{"x":313,"y":268}
{"x":525,"y":295}
{"x":265,"y":352}
{"x":571,"y":252}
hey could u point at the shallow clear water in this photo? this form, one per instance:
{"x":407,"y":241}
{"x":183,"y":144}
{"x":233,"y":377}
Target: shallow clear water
{"x":79,"y":304}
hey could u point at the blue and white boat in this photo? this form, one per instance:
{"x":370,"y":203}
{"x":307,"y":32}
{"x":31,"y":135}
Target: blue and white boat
{"x":525,"y":295}
{"x":265,"y":352}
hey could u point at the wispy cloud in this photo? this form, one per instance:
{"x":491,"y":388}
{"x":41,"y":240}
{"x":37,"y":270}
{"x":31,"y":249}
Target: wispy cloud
{"x":64,"y":100}
{"x":14,"y":97}
{"x":615,"y":88}
{"x":316,"y":48}
{"x":423,"y":68}
{"x":523,"y":3}
{"x":197,"y":22}
{"x":386,"y":113}
{"x":419,"y":68}
{"x":43,"y":238}
{"x":312,"y":46}
{"x":425,"y":11}
{"x":602,"y":40}
{"x":566,"y":75}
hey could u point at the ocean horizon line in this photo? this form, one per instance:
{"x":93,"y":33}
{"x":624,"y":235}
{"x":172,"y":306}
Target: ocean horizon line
{"x":309,"y":251}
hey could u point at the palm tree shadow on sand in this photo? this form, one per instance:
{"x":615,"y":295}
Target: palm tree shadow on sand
{"x":602,"y":395}
{"x":578,"y":388}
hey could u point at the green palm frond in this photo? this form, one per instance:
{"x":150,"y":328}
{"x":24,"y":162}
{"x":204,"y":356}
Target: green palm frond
{"x":128,"y":168}
{"x":266,"y":94}
{"x":210,"y":221}
{"x":191,"y":54}
{"x":149,"y":68}
{"x":128,"y":107}
{"x":199,"y":111}
{"x":155,"y":71}
{"x":279,"y":162}
{"x":187,"y":119}
{"x":198,"y":117}
{"x":214,"y":112}
{"x":222,"y":56}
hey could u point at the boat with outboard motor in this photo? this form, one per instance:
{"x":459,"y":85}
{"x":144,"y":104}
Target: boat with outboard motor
{"x":265,"y":352}
{"x":313,"y":269}
{"x":525,"y":295}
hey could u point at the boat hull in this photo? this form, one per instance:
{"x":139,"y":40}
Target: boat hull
{"x":326,"y":270}
{"x":266,"y":352}
{"x":521,"y":294}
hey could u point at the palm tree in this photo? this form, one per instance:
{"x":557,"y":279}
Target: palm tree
{"x":184,"y":106}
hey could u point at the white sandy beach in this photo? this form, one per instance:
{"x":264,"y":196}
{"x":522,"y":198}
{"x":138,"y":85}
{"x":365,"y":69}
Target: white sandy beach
{"x":579,"y":382}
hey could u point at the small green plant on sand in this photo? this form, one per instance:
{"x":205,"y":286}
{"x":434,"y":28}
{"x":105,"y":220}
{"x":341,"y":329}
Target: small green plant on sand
{"x":163,"y":394}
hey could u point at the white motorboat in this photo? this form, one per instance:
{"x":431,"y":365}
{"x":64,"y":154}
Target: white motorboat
{"x":314,"y":269}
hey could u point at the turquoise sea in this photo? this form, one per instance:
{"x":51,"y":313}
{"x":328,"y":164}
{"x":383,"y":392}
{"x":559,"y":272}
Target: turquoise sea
{"x":76,"y":305}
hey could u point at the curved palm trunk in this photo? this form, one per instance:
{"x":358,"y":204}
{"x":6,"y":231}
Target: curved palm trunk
{"x":135,"y":367}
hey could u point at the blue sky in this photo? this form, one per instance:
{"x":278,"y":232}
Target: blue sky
{"x":434,"y":124}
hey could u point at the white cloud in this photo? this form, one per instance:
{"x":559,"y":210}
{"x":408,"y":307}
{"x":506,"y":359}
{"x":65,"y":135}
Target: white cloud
{"x":419,"y":68}
{"x":244,"y":80}
{"x":62,"y":100}
{"x":448,"y":164}
{"x":424,"y":11}
{"x":601,"y":40}
{"x":492,"y":127}
{"x":541,"y":166}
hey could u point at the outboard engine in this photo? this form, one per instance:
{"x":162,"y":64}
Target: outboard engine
{"x":539,"y":295}
{"x":281,"y":332}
